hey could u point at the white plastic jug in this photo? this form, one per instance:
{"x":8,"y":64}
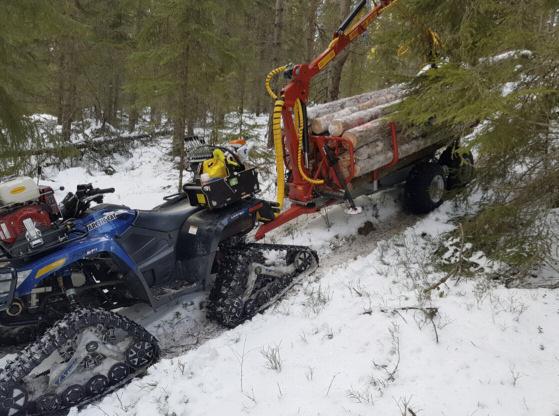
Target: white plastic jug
{"x":18,"y":190}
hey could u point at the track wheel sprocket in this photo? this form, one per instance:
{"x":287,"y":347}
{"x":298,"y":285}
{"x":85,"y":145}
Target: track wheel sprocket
{"x":13,"y":400}
{"x":140,"y":354}
{"x":73,"y":395}
{"x":96,"y":385}
{"x":48,"y":404}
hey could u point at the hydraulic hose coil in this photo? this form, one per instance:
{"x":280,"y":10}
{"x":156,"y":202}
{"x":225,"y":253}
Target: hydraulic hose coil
{"x":278,"y":147}
{"x":300,"y":124}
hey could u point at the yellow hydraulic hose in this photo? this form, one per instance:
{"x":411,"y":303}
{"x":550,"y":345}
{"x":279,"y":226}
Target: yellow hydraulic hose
{"x":269,"y":79}
{"x":278,"y":138}
{"x":278,"y":145}
{"x":277,"y":135}
{"x":300,"y":125}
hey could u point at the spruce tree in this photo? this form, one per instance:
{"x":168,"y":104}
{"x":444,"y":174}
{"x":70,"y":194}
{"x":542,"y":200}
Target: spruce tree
{"x":498,"y":71}
{"x":25,"y":27}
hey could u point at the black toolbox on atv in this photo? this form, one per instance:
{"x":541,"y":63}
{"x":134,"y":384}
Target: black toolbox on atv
{"x":219,"y":193}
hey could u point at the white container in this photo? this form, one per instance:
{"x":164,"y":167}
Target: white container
{"x":18,"y":190}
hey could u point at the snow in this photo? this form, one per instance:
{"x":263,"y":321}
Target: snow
{"x":141,"y":180}
{"x":348,"y":346}
{"x":358,"y":337}
{"x":514,"y":54}
{"x":509,"y":88}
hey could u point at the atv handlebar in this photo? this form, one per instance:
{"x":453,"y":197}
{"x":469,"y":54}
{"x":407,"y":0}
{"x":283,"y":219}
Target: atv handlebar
{"x":104,"y":191}
{"x":85,"y":190}
{"x":74,"y":205}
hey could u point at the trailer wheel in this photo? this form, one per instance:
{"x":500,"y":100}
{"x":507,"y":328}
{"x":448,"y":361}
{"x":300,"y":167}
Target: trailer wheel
{"x":460,"y":166}
{"x":425,"y":188}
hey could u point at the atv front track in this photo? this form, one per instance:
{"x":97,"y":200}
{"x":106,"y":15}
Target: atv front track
{"x":83,"y":357}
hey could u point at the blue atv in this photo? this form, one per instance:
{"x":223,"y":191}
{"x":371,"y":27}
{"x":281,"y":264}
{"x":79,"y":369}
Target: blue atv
{"x":65,"y":269}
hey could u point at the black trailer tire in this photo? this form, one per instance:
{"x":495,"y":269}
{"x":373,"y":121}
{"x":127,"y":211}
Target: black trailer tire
{"x":460,"y":165}
{"x":425,"y":186}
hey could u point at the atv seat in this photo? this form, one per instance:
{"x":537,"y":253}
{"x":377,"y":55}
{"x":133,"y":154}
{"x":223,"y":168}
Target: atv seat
{"x":167,"y":217}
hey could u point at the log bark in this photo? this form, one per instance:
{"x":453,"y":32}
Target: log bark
{"x":378,"y":154}
{"x":375,"y":130}
{"x":334,"y":106}
{"x":339,"y":125}
{"x":368,"y":152}
{"x":321,"y":124}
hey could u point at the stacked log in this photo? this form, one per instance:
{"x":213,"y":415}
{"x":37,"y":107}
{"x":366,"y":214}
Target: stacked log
{"x":334,"y":106}
{"x":362,"y":121}
{"x":376,"y":155}
{"x":321,"y":124}
{"x":338,"y":126}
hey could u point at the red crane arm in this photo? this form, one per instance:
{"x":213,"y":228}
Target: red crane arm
{"x":293,"y":139}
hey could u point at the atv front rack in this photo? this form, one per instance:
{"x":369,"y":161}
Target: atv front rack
{"x":53,"y":239}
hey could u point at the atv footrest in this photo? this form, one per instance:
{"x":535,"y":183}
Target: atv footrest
{"x":8,"y":282}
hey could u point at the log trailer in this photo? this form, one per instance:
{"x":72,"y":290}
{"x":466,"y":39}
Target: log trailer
{"x":307,"y":166}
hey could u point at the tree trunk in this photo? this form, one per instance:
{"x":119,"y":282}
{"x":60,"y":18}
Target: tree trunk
{"x":179,"y":146}
{"x":335,"y":74}
{"x":182,"y":112}
{"x":133,"y":118}
{"x":311,"y":31}
{"x":242,"y":82}
{"x":154,"y":116}
{"x":116,"y":101}
{"x":276,"y":55}
{"x":68,"y":71}
{"x":60,"y":92}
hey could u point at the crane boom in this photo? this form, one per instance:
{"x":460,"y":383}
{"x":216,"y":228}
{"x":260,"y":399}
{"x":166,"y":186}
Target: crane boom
{"x":315,"y":184}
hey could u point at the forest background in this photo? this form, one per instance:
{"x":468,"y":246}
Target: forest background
{"x":170,"y":66}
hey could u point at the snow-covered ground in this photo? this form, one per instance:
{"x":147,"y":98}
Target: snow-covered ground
{"x":349,"y":340}
{"x":359,"y":337}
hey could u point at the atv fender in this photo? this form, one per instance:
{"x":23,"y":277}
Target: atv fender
{"x":201,"y":234}
{"x":59,"y":260}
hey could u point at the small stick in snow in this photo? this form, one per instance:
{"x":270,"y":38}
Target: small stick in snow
{"x":391,"y":375}
{"x":331,"y":382}
{"x":280,"y":395}
{"x":456,"y":271}
{"x":250,"y":396}
{"x":241,"y":359}
{"x":436,"y":332}
{"x":429,"y":313}
{"x":101,"y":410}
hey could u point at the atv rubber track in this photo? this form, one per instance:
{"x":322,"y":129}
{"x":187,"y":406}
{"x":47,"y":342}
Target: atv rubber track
{"x":226,"y":304}
{"x":63,"y":331}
